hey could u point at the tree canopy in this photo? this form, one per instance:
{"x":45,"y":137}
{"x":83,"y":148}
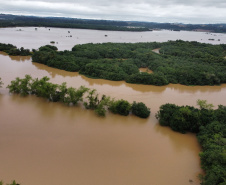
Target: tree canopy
{"x":180,"y":62}
{"x":210,"y":127}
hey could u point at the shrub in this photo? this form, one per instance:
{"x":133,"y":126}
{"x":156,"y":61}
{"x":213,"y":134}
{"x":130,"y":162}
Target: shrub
{"x":140,"y":110}
{"x":121,"y":107}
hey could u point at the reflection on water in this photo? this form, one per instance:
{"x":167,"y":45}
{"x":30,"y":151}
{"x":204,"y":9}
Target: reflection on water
{"x":19,"y":58}
{"x":53,"y":71}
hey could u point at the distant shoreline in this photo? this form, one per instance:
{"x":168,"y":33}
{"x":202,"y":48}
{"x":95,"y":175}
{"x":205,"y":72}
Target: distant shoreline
{"x":7,"y":20}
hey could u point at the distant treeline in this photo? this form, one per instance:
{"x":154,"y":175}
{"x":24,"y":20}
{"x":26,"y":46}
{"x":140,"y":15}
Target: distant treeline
{"x":72,"y":96}
{"x":210,"y":127}
{"x":179,"y":62}
{"x":21,"y":21}
{"x":62,"y":22}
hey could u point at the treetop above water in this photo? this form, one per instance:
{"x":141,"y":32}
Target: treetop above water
{"x":71,"y":96}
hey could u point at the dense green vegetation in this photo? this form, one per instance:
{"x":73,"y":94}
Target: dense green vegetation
{"x":62,"y":22}
{"x":210,"y":127}
{"x":180,"y":62}
{"x":71,"y":96}
{"x":140,"y":110}
{"x":13,"y":50}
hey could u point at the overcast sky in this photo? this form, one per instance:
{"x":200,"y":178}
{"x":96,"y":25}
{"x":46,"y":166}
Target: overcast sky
{"x":184,"y":11}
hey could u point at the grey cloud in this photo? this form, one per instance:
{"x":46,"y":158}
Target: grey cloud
{"x":202,"y":11}
{"x":215,"y":3}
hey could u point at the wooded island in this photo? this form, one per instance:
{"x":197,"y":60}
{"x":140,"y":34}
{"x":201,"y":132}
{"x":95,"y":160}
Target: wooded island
{"x":179,"y":62}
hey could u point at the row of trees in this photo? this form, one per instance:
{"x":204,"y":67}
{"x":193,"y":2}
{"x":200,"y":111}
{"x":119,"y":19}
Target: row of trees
{"x":210,"y":127}
{"x":72,"y":96}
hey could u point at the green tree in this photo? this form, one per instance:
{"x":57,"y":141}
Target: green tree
{"x":41,"y":87}
{"x":48,"y":48}
{"x":93,"y":100}
{"x":62,"y":91}
{"x":204,"y":105}
{"x":140,"y":110}
{"x":121,"y":107}
{"x":103,"y":105}
{"x":165,"y":113}
{"x":75,"y":95}
{"x":21,"y":86}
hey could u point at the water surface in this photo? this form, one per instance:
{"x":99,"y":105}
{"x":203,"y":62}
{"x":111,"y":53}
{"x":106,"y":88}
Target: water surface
{"x":43,"y":142}
{"x":29,"y":38}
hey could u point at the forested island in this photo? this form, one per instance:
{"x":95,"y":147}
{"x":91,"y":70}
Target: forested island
{"x":7,"y":20}
{"x":210,"y":127}
{"x":179,"y":62}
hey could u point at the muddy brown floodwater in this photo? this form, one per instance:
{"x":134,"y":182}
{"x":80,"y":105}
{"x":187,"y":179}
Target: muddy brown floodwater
{"x":49,"y":143}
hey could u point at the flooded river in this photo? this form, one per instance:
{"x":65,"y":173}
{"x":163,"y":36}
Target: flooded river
{"x":29,"y":37}
{"x":49,"y":143}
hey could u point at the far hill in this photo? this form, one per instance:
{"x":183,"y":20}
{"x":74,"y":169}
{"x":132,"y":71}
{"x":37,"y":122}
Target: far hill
{"x":7,"y":20}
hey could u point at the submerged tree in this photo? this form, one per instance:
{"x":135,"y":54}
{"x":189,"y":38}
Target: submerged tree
{"x":204,"y":105}
{"x":121,"y":107}
{"x":104,"y":103}
{"x":92,"y":100}
{"x":75,"y":95}
{"x":21,"y":86}
{"x":140,"y":110}
{"x":61,"y":93}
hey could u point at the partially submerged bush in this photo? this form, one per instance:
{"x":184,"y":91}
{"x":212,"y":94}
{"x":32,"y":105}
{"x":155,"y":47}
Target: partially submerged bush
{"x":71,"y":96}
{"x":140,"y":110}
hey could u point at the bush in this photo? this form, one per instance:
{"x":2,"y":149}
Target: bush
{"x":140,"y":110}
{"x":121,"y":107}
